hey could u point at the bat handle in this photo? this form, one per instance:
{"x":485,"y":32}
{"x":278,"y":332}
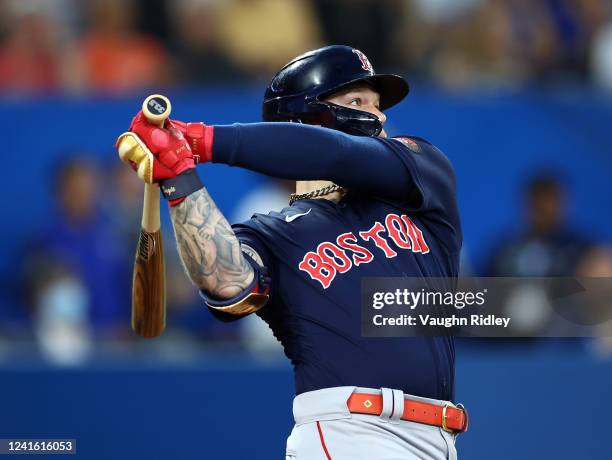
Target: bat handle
{"x":156,"y":109}
{"x":150,"y":211}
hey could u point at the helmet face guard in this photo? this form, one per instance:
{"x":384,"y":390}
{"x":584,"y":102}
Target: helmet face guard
{"x":349,"y":121}
{"x":299,"y":89}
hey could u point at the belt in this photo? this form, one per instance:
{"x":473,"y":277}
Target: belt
{"x":450,"y":418}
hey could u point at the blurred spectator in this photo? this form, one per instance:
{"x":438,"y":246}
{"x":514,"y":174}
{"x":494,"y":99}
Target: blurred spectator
{"x":597,"y":263}
{"x":468,"y":43}
{"x":196,"y":45}
{"x":124,"y":205}
{"x":601,"y":50}
{"x":154,"y":18}
{"x":31,"y":55}
{"x":114,"y":57}
{"x":547,"y":247}
{"x":601,"y":58}
{"x":444,"y":11}
{"x":457,"y":43}
{"x":474,"y":43}
{"x":554,"y":35}
{"x":78,"y":268}
{"x":368,"y":25}
{"x":263,"y":35}
{"x":61,"y":323}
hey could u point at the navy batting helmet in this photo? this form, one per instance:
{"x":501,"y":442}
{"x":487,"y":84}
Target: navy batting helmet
{"x":297,"y":91}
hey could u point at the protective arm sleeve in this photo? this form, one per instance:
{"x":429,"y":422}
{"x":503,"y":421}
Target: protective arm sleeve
{"x":303,"y":152}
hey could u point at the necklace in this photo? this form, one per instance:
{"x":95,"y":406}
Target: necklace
{"x":315,"y":193}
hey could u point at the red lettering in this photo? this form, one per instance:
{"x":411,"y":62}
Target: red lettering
{"x":361,"y":255}
{"x":379,"y":241}
{"x":416,"y":236}
{"x":332,"y":254}
{"x":397,"y":231}
{"x":318,"y":270}
{"x":333,"y":258}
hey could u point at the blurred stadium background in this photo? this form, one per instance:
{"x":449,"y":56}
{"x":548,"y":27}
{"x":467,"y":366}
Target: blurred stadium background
{"x":518,"y":93}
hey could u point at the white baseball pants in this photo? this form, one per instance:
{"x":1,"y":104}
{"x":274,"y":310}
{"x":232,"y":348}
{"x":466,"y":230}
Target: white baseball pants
{"x":326,"y":430}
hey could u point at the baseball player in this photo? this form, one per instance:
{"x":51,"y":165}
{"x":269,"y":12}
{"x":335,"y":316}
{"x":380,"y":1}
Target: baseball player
{"x":366,"y":206}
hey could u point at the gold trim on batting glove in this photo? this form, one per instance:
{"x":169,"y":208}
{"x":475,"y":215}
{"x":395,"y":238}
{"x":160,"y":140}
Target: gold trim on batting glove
{"x":133,"y":150}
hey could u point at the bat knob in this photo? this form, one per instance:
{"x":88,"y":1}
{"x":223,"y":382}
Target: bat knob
{"x":156,"y":109}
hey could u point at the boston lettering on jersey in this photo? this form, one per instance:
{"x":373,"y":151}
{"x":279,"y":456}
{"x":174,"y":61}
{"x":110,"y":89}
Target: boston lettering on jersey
{"x":331,"y":258}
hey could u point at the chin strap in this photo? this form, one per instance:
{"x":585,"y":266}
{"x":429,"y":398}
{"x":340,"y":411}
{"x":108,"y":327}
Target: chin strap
{"x":316,"y":193}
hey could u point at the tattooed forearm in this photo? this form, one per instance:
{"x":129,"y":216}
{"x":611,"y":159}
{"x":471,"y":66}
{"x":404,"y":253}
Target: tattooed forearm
{"x":208,"y":247}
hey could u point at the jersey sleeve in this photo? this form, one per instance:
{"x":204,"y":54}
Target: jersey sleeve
{"x":359,"y":163}
{"x":434,"y":191}
{"x":254,"y":296}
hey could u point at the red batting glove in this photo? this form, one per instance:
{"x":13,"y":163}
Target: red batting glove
{"x":200,"y":138}
{"x":160,"y":155}
{"x":171,"y":150}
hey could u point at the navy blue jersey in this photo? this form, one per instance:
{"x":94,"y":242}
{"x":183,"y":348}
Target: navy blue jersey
{"x":317,"y":251}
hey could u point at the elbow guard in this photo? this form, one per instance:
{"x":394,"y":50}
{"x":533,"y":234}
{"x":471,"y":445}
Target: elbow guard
{"x":248,"y":301}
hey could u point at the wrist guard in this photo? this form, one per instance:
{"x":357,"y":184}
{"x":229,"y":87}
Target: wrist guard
{"x":181,"y":186}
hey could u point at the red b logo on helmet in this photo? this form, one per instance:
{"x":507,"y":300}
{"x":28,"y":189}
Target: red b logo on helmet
{"x":365,"y":62}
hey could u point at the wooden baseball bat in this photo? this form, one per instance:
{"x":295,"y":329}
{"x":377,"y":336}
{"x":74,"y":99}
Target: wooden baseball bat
{"x":149,"y":281}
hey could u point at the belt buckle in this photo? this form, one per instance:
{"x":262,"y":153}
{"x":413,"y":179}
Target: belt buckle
{"x":444,"y":416}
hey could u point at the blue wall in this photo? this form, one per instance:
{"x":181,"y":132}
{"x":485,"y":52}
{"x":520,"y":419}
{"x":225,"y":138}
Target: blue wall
{"x":544,"y":403}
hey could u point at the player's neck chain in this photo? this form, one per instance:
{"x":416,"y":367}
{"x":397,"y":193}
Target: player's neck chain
{"x":315,"y":193}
